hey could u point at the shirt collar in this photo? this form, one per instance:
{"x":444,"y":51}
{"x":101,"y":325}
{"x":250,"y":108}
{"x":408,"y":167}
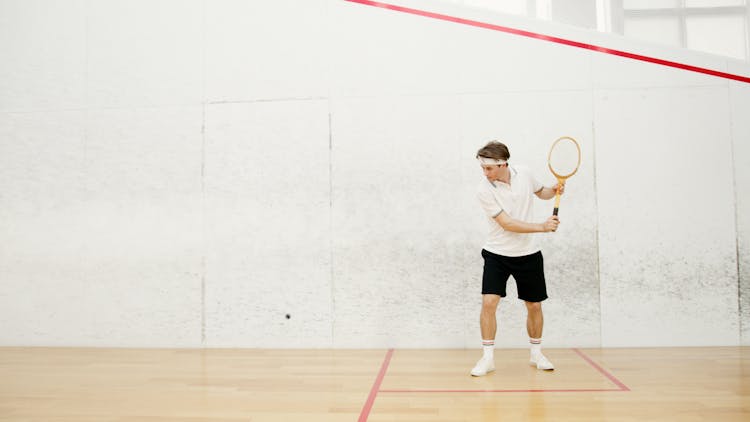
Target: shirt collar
{"x":513,"y":172}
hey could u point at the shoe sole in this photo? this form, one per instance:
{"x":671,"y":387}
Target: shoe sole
{"x":481,"y":375}
{"x":541,"y":369}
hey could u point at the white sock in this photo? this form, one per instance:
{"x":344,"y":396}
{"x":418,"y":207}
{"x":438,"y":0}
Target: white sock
{"x":488,"y":347}
{"x":536,"y":346}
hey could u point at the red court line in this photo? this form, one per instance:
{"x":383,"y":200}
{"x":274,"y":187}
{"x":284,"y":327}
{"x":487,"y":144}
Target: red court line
{"x":557,"y":40}
{"x":618,"y":383}
{"x":561,"y":390}
{"x":375,"y":387}
{"x":611,"y":377}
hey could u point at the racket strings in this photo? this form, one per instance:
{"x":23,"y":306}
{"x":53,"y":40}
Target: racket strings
{"x":564,"y":157}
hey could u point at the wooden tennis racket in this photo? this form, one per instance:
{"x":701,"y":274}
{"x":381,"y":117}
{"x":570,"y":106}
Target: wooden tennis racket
{"x":563,"y":161}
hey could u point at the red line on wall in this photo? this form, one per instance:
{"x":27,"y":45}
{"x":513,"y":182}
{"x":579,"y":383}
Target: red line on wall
{"x":557,"y":40}
{"x":375,"y":387}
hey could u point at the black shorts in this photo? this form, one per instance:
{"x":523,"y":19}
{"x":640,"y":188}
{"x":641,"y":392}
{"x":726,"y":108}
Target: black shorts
{"x":528,"y":271}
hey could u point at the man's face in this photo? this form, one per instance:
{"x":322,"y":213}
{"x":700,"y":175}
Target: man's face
{"x":495,"y":172}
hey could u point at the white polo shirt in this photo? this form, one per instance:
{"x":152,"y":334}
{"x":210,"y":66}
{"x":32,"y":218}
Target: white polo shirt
{"x":517,"y":200}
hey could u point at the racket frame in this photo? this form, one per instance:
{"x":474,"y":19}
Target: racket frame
{"x":561,"y":178}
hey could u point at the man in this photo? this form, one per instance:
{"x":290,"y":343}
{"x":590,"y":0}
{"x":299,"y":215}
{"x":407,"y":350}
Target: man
{"x":506,"y":196}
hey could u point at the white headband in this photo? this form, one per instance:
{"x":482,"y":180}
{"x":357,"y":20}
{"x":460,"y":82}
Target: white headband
{"x":490,"y":161}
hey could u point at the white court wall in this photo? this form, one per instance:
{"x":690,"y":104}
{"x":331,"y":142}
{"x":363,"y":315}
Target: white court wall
{"x":740,"y":104}
{"x":189,"y":184}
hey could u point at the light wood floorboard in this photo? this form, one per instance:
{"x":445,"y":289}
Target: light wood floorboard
{"x":639,"y":384}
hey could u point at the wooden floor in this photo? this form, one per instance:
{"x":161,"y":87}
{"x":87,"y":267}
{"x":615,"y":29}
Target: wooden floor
{"x":667,"y":384}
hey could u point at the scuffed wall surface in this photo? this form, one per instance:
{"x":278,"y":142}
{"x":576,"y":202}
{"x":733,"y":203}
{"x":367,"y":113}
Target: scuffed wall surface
{"x":666,"y":221}
{"x":267,"y":225}
{"x":96,"y":246}
{"x":400,"y":246}
{"x":740,"y":105}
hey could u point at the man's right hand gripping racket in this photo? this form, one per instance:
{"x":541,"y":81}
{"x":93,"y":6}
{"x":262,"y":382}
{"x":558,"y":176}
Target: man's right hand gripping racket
{"x":563,"y":161}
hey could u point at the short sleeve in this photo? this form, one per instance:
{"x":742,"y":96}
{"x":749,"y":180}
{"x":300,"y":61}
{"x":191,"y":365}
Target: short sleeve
{"x":535,"y":184}
{"x":489,"y":204}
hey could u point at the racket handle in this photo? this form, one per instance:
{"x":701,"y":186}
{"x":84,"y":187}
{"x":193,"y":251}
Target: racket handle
{"x":554,"y":212}
{"x":557,"y":203}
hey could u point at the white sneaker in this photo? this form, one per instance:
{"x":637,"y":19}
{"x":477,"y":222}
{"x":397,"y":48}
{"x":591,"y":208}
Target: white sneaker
{"x":483,"y":367}
{"x":541,"y":362}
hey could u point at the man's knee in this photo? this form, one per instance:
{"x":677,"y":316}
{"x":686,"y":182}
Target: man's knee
{"x":534,"y":307}
{"x":490,"y":302}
